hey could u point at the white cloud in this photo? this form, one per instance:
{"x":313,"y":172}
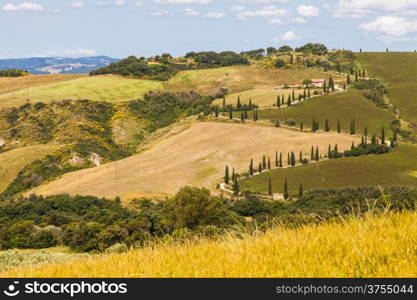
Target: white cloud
{"x":215,"y":15}
{"x":391,"y":28}
{"x":138,"y":3}
{"x":77,"y":4}
{"x":191,"y":12}
{"x":265,"y":1}
{"x":160,"y":13}
{"x":115,"y":3}
{"x":236,"y":8}
{"x":28,"y":6}
{"x":360,"y":8}
{"x":288,"y":36}
{"x":270,"y":11}
{"x":275,"y":21}
{"x":308,"y":10}
{"x":300,"y":20}
{"x":182,"y":1}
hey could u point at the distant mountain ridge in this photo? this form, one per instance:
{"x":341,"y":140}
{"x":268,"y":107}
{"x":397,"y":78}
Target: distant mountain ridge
{"x":57,"y":65}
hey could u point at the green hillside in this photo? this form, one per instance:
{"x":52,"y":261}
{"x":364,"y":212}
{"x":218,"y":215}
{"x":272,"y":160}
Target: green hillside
{"x":101,"y":88}
{"x":399,"y":71}
{"x":348,"y":106}
{"x":397,"y":167}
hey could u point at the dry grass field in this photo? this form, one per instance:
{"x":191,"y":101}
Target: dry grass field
{"x":196,"y":154}
{"x":12,"y":161}
{"x":238,"y":79}
{"x":375,"y":246}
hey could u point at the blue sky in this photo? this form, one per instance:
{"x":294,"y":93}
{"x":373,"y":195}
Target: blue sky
{"x":120,"y":28}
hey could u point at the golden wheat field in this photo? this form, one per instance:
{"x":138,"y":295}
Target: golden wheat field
{"x":191,"y":153}
{"x":384,"y":246}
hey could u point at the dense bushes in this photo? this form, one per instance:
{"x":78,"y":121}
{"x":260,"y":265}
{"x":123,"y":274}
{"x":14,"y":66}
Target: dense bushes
{"x":138,"y":67}
{"x":213,"y":59}
{"x":86,"y":223}
{"x":373,"y":90}
{"x":13,"y":73}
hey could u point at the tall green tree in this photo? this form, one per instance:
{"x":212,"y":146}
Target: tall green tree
{"x":300,"y":191}
{"x":317,"y":156}
{"x":270,"y":186}
{"x":293,"y":162}
{"x":226,"y":175}
{"x":286,"y":194}
{"x":326,"y":125}
{"x":251,"y":167}
{"x":338,"y":126}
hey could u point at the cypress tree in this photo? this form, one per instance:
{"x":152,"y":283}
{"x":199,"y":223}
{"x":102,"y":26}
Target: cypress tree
{"x":251,"y":167}
{"x":270,"y":186}
{"x":366,"y":134}
{"x":289,"y":100}
{"x":292,"y":159}
{"x":312,"y":153}
{"x":236,"y":187}
{"x":301,"y":157}
{"x":313,"y":124}
{"x":356,"y":77}
{"x":336,"y":149}
{"x":383,"y":136}
{"x":264,"y":163}
{"x":338,"y":125}
{"x":363,"y":141}
{"x":326,"y":125}
{"x":363,"y":74}
{"x":226,"y":175}
{"x":278,"y":101}
{"x":324,"y":86}
{"x":230,"y":114}
{"x":286,"y":194}
{"x":280,"y":160}
{"x":238,"y":104}
{"x":301,"y":125}
{"x":269,"y":163}
{"x":316,"y":156}
{"x":260,"y":168}
{"x":242,"y":116}
{"x":254,"y":115}
{"x":373,"y":140}
{"x":233,"y":174}
{"x":353,"y":128}
{"x":293,"y":94}
{"x":246,"y":113}
{"x":300,"y":191}
{"x":353,"y":146}
{"x":329,"y":152}
{"x":309,"y":94}
{"x":250,"y":103}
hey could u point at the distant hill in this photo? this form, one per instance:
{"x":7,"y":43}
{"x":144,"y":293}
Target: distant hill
{"x":57,"y":65}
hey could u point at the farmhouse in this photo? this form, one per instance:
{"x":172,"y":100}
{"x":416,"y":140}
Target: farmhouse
{"x":317,"y":82}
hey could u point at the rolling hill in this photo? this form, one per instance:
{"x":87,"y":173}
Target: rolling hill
{"x":105,"y":88}
{"x":238,"y":78}
{"x":347,"y":106}
{"x":376,"y":246}
{"x":396,"y":168}
{"x":190,"y":153}
{"x":399,"y":71}
{"x":12,"y":161}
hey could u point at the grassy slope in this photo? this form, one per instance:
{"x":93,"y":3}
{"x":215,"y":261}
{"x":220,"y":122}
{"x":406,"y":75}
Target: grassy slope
{"x":196,"y":155}
{"x":9,"y":84}
{"x":399,"y":71}
{"x":347,"y":106}
{"x":261,"y":97}
{"x":106,"y":88}
{"x":394,"y":168}
{"x":372,"y":247}
{"x":12,"y":161}
{"x":237,"y":78}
